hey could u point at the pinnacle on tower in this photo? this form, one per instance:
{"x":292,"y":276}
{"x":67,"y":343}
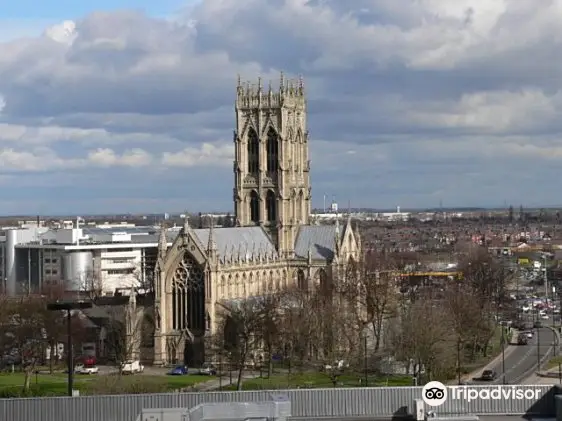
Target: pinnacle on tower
{"x":162,"y":241}
{"x":211,"y":245}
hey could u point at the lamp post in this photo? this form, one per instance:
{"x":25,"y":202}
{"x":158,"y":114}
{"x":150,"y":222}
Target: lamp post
{"x":545,"y":280}
{"x":503,"y":354}
{"x":459,"y":361}
{"x":68,"y":306}
{"x":538,"y":348}
{"x":366,"y":360}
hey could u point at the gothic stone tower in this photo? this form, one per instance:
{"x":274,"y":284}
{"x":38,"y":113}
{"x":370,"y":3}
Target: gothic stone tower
{"x":271,"y":167}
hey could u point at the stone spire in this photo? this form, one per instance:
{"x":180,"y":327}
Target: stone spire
{"x":358,"y":238}
{"x":186,"y":223}
{"x":337,"y":235}
{"x":162,"y":241}
{"x":211,"y":244}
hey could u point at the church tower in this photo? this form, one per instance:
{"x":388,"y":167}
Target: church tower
{"x":271,"y":166}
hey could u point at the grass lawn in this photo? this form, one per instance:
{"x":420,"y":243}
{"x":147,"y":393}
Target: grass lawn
{"x":318,"y":380}
{"x":553,"y":363}
{"x":56,"y":384}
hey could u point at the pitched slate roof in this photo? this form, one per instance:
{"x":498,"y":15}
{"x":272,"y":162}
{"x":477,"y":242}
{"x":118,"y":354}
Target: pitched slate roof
{"x":230,"y":241}
{"x":320,"y":239}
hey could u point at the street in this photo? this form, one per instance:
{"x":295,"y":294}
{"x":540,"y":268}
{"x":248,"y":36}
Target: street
{"x":521,"y":363}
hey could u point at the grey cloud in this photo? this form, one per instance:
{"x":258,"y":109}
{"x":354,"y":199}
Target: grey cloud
{"x":416,"y":96}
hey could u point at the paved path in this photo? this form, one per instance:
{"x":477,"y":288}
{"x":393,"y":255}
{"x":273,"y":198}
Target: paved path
{"x":217,"y":382}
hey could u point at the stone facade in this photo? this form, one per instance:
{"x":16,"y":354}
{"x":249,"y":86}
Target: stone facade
{"x":273,"y":245}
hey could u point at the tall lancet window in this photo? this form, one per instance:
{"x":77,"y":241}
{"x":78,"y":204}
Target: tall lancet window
{"x":253,"y":152}
{"x":271,"y":206}
{"x":272,"y":151}
{"x":254,"y":207}
{"x":188,"y":296}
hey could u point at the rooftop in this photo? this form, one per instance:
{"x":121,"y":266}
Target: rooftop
{"x":232,"y":243}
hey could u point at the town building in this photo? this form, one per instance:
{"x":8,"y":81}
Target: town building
{"x":104,"y":258}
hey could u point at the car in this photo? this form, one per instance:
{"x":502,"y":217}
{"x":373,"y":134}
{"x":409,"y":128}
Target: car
{"x":131,"y":367}
{"x":87,"y":360}
{"x":207,"y":369}
{"x":522,"y":339}
{"x":489,"y":375}
{"x":538,"y":324}
{"x":180,"y":370}
{"x":86,"y":369}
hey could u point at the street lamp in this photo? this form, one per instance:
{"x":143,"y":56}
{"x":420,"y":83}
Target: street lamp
{"x":68,"y":306}
{"x":459,"y":361}
{"x":366,"y":361}
{"x":503,"y":354}
{"x":538,"y":348}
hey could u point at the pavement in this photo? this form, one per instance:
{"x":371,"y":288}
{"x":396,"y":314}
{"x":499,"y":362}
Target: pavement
{"x":520,"y":361}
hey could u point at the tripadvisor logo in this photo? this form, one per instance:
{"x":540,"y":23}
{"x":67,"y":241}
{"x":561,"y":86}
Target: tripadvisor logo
{"x":436,"y":393}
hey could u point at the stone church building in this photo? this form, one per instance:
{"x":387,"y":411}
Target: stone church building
{"x":273,"y":245}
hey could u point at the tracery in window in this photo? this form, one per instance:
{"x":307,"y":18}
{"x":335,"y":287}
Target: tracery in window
{"x":188,"y":295}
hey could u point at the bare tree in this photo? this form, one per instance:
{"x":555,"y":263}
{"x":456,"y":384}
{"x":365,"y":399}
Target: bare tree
{"x":463,"y":314}
{"x":242,"y":327}
{"x":270,"y":309}
{"x":486,"y":279}
{"x":55,"y":322}
{"x":91,"y":285}
{"x":24,"y":333}
{"x":298,"y":330}
{"x":124,"y":333}
{"x":424,"y":337}
{"x":370,"y":287}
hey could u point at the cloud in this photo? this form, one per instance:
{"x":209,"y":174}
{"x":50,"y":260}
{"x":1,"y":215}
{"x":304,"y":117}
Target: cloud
{"x":209,"y":154}
{"x":409,"y":102}
{"x":108,"y":158}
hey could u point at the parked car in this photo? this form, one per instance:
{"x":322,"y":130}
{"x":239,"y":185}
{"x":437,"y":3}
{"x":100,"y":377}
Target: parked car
{"x":207,"y":369}
{"x":489,"y":375}
{"x":86,"y":369}
{"x":132,"y":367}
{"x":180,"y":370}
{"x":87,"y":360}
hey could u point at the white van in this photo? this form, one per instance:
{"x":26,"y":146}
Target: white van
{"x":132,"y":367}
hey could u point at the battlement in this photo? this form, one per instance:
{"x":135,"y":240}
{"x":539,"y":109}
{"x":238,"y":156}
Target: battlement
{"x":252,"y":95}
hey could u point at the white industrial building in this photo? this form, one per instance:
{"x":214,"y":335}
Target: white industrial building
{"x":104,"y":257}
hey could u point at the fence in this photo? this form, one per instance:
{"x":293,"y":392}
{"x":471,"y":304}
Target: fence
{"x":309,"y":403}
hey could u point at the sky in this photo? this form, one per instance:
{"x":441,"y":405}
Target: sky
{"x":128,"y":106}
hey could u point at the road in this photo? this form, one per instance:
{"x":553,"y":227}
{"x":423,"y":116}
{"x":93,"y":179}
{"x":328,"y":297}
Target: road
{"x":522,"y":362}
